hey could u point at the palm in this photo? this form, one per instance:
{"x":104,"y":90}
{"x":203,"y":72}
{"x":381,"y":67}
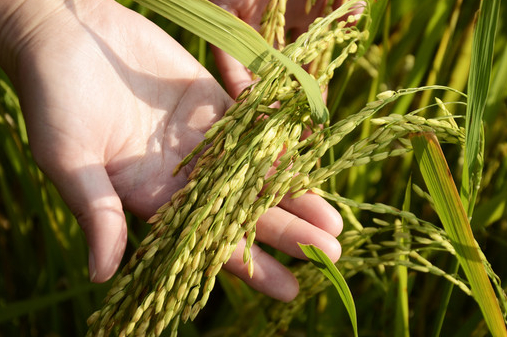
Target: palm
{"x":135,"y":106}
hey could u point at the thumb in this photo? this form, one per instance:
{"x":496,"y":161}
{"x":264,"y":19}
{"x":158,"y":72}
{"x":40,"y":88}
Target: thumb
{"x":93,"y":201}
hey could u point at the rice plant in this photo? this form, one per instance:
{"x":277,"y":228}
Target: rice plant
{"x":421,"y":256}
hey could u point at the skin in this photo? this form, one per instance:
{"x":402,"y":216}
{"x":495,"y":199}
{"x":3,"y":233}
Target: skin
{"x":112,"y":104}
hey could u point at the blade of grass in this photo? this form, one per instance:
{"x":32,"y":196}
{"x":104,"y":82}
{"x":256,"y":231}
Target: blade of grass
{"x":444,"y":300}
{"x":238,"y":39}
{"x":483,"y":37}
{"x":402,"y":311}
{"x":478,"y":87}
{"x":454,"y":218}
{"x":326,"y":266}
{"x":20,"y":308}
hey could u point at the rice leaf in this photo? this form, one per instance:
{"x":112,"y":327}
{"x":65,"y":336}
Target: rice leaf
{"x":327,"y":267}
{"x":454,"y":218}
{"x":478,"y":87}
{"x":238,"y":39}
{"x":25,"y":307}
{"x":402,"y":307}
{"x":447,"y":289}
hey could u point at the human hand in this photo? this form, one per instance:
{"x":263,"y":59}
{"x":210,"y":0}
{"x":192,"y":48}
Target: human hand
{"x":112,"y":104}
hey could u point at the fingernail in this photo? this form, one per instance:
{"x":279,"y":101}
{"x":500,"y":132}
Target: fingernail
{"x":92,"y":271}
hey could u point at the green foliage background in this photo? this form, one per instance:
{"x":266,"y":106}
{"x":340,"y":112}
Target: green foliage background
{"x":44,"y":287}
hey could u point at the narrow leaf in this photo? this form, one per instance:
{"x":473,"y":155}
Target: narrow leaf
{"x":25,"y":307}
{"x":238,"y":39}
{"x":478,"y":87}
{"x":454,"y":218}
{"x":402,"y":308}
{"x":327,"y":267}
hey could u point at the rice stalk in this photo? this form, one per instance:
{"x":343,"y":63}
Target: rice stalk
{"x":171,"y":275}
{"x":373,"y":148}
{"x":452,"y":213}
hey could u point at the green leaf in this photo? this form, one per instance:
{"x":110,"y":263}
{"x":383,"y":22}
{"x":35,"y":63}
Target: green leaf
{"x":454,"y":218}
{"x":327,"y":267}
{"x":25,"y":307}
{"x":238,"y":39}
{"x":478,"y":87}
{"x":402,"y":302}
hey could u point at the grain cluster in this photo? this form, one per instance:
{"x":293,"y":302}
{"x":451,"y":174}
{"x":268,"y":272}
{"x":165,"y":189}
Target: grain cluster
{"x":249,"y":160}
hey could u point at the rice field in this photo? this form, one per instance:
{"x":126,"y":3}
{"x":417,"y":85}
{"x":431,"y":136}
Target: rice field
{"x":422,"y":94}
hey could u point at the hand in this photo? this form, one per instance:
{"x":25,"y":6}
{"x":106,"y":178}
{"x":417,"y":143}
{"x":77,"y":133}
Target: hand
{"x":112,"y":104}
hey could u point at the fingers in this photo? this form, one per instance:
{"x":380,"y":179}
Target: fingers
{"x":236,"y":76}
{"x":283,"y":231}
{"x":98,"y":210}
{"x":308,"y":219}
{"x":270,"y":276}
{"x":315,"y":210}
